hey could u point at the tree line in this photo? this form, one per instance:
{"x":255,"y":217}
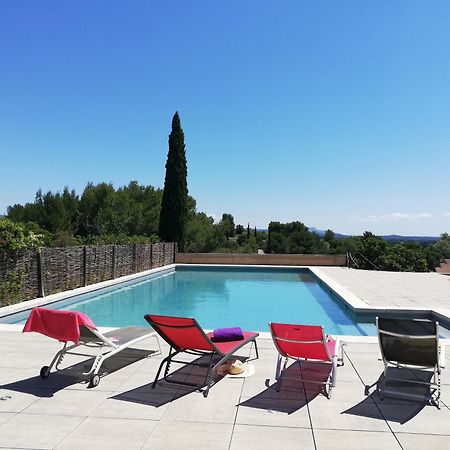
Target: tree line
{"x":366,"y":252}
{"x":142,"y":213}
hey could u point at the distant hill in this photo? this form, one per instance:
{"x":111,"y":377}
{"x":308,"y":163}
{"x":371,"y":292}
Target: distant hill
{"x":321,"y":233}
{"x":389,"y":237}
{"x":398,"y":238}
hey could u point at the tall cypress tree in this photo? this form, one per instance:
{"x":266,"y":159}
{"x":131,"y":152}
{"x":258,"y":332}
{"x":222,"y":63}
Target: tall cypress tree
{"x":172,"y":221}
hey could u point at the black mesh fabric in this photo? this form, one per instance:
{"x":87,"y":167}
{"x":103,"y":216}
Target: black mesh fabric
{"x":409,"y":349}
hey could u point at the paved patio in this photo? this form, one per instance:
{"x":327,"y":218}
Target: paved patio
{"x":124,"y":412}
{"x":398,"y":290}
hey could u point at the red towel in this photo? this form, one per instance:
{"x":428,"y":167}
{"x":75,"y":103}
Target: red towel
{"x":57,"y":324}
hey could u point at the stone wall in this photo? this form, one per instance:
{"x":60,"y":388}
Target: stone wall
{"x":251,"y":258}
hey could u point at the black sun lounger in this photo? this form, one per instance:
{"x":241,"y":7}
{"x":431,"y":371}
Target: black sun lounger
{"x":411,"y":354}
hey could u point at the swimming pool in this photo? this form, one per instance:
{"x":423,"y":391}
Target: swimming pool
{"x":249,"y":297}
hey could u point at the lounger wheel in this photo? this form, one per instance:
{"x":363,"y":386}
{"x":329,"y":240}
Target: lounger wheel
{"x":95,"y":380}
{"x":45,"y":372}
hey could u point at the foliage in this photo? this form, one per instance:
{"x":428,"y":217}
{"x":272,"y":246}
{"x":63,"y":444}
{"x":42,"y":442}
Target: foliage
{"x":443,"y":246}
{"x":174,"y":211}
{"x":15,"y":236}
{"x":11,"y":286}
{"x":131,"y":210}
{"x":227,"y":225}
{"x":201,"y":234}
{"x":373,"y":252}
{"x":293,"y":237}
{"x":101,"y":210}
{"x":120,"y":239}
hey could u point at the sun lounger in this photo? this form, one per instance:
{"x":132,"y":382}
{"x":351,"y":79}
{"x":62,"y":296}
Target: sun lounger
{"x":306,"y":343}
{"x":410,"y":349}
{"x":184,"y":335}
{"x":73,"y":326}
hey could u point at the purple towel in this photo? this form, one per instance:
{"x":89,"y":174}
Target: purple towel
{"x":227,"y":334}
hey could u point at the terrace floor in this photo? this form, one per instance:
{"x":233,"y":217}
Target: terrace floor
{"x":124,"y":412}
{"x":396,"y":290}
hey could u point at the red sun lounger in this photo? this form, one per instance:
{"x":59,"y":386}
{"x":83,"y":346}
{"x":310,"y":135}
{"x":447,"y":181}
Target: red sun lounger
{"x":76,"y":327}
{"x":306,"y":343}
{"x":184,"y":335}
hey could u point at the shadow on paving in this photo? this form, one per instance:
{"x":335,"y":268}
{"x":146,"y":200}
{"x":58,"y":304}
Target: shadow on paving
{"x":72,"y":375}
{"x":299,"y":386}
{"x":398,"y":408}
{"x":167,"y":391}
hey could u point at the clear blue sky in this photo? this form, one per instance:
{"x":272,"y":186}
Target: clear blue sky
{"x":336,"y":114}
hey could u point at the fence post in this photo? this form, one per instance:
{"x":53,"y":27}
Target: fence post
{"x":113,"y":271}
{"x":174,"y":252}
{"x":84,"y":266}
{"x":151,"y":256}
{"x":40,"y":274}
{"x":135,"y":264}
{"x":164,"y":254}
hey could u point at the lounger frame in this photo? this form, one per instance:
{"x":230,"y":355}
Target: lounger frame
{"x":92,"y":338}
{"x":434,"y":385}
{"x":336,"y":360}
{"x":176,"y":349}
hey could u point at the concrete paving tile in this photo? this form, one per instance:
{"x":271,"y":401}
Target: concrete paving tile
{"x":219,"y":407}
{"x":36,"y":431}
{"x":274,"y":409}
{"x":4,"y":416}
{"x":119,"y":409}
{"x":69,"y":403}
{"x":15,"y":374}
{"x":417,"y":418}
{"x":355,"y":440}
{"x":414,"y":441}
{"x":23,"y":361}
{"x":329,"y":414}
{"x":265,"y":343}
{"x":187,"y":435}
{"x":248,"y":437}
{"x":100,"y":433}
{"x":16,"y":401}
{"x":344,"y":391}
{"x":356,"y":347}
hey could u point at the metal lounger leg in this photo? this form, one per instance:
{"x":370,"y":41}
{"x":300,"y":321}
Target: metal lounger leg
{"x":280,"y":377}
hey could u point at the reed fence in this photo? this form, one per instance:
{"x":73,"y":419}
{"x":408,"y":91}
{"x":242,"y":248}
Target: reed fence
{"x":29,"y":274}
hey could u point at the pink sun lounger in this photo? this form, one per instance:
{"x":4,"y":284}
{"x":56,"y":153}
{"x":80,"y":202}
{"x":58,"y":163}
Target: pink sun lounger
{"x":306,"y":343}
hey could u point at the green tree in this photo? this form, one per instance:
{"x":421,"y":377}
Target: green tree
{"x":201,"y":234}
{"x":239,"y":229}
{"x":173,"y":217}
{"x":227,"y":225}
{"x":443,"y":245}
{"x":95,"y":200}
{"x":293,"y":237}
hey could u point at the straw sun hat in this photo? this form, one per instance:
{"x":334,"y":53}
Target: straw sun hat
{"x":236,"y":368}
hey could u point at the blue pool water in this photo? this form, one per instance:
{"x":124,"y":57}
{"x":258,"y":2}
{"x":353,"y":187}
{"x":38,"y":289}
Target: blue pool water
{"x":225,"y":297}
